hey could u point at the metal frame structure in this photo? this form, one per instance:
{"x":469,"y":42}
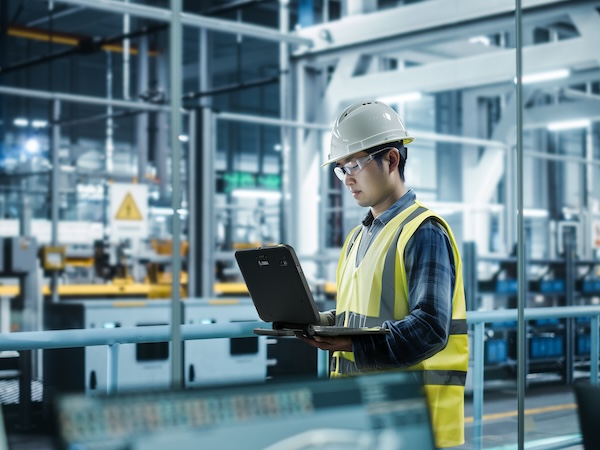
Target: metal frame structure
{"x":338,"y":46}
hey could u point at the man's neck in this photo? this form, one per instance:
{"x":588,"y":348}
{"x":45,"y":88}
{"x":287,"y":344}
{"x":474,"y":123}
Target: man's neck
{"x":396,"y":194}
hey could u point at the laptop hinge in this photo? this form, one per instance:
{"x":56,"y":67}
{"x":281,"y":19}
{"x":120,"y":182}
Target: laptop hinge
{"x":285,"y":325}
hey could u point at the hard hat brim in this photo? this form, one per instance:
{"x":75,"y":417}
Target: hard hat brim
{"x":407,"y":140}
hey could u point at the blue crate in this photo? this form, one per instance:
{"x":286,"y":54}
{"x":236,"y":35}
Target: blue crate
{"x":552,"y":286}
{"x":542,"y":322}
{"x":591,"y":286}
{"x":495,"y":351}
{"x":584,"y":344}
{"x":546,"y":347}
{"x":506,"y":286}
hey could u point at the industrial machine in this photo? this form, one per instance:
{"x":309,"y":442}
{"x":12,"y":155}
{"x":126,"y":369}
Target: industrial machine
{"x":147,"y":365}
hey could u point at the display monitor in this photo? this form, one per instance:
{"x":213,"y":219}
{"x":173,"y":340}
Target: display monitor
{"x":382,"y":411}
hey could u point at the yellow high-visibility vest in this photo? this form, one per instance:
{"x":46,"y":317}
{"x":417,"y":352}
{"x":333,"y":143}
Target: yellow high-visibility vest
{"x":377,"y":290}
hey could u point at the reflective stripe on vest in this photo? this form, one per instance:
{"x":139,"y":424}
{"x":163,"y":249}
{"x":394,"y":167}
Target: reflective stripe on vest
{"x":388,"y":298}
{"x":433,"y":377}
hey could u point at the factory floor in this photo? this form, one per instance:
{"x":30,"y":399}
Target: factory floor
{"x":550,"y":416}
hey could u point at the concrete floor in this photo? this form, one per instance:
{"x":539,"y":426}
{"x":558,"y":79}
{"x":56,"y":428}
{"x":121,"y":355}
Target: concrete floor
{"x":550,"y":417}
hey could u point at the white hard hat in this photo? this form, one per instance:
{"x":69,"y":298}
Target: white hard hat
{"x":363,"y":126}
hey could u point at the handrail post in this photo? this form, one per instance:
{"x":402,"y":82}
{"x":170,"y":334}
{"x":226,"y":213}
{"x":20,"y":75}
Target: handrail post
{"x":594,"y":349}
{"x":112,"y":372}
{"x":478,"y":360}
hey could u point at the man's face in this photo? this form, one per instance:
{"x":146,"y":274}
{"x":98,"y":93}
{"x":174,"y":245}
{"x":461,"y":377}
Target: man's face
{"x":368,"y":185}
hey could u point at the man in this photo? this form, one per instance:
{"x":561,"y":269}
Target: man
{"x":400,"y":268}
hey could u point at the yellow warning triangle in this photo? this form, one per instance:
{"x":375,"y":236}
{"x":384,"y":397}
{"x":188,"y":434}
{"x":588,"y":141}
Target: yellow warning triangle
{"x":128,"y":209}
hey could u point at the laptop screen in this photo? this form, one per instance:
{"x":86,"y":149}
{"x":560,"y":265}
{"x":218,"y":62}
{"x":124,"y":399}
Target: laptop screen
{"x":384,"y":411}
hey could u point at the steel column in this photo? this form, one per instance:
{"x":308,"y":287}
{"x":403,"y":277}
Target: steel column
{"x":209,"y":144}
{"x":175,"y":54}
{"x":478,"y":377}
{"x":112,"y":372}
{"x":521,"y":267}
{"x":54,"y":191}
{"x":594,"y":335}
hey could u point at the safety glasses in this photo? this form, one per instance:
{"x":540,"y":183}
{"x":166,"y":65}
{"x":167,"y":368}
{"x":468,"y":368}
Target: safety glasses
{"x":356,"y":165}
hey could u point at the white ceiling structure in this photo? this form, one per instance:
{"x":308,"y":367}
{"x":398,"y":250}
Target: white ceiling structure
{"x":433,"y":37}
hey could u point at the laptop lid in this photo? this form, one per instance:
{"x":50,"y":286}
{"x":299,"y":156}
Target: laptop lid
{"x":277,"y":285}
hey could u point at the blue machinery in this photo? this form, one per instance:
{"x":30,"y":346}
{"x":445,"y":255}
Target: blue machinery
{"x":112,"y":338}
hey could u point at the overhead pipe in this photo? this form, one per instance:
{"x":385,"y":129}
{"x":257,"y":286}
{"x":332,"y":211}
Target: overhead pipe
{"x":193,"y":20}
{"x":76,"y":98}
{"x":232,"y":87}
{"x":232,"y":6}
{"x":55,"y":16}
{"x":84,"y":46}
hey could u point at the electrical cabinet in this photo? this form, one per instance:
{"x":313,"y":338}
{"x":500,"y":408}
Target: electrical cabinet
{"x":19,"y":255}
{"x":148,"y":365}
{"x":227,"y":360}
{"x":85,"y":369}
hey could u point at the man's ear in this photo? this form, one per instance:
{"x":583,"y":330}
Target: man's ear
{"x":394,"y":159}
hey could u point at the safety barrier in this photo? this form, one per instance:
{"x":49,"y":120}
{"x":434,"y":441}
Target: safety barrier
{"x":112,"y":338}
{"x":479,"y":318}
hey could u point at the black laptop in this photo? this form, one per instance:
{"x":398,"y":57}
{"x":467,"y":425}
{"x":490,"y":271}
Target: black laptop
{"x":282,"y":296}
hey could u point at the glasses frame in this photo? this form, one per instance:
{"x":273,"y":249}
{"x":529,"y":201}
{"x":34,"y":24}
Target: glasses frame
{"x":350,"y":168}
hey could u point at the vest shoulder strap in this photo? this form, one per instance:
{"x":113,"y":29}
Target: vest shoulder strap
{"x":390,"y":257}
{"x":353,"y":238}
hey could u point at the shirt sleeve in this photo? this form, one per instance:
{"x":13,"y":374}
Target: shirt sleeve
{"x":430,"y":272}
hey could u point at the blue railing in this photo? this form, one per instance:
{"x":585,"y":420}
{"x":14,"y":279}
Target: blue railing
{"x":112,"y":338}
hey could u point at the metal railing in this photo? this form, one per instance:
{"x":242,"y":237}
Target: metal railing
{"x":479,"y":318}
{"x":112,"y":338}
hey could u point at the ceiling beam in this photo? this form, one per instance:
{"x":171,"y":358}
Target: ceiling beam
{"x":496,"y":67}
{"x":424,"y":17}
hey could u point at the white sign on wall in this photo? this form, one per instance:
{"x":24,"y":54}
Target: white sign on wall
{"x":128,"y":212}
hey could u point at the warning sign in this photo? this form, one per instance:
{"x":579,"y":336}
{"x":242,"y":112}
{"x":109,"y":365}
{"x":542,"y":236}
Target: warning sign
{"x":128,"y":211}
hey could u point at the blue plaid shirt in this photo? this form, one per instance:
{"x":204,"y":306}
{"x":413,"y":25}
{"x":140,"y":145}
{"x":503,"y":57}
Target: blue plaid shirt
{"x":431,"y":274}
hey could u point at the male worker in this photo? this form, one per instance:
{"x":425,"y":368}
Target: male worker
{"x":400,"y":268}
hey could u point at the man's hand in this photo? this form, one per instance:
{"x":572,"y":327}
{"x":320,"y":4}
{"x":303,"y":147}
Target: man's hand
{"x":331,"y":343}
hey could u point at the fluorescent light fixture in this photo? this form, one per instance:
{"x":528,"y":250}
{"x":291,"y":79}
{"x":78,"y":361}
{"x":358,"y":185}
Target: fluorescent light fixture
{"x":535,"y":213}
{"x":161,"y":211}
{"x":401,"y":98}
{"x":544,"y":76}
{"x":69,"y":169}
{"x":184,"y":138}
{"x":480,"y":40}
{"x":32,"y":145}
{"x":569,"y":125}
{"x":39,"y":123}
{"x":20,"y":122}
{"x":256,"y":193}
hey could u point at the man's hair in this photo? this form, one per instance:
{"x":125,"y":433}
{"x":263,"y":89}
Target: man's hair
{"x":401,"y":150}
